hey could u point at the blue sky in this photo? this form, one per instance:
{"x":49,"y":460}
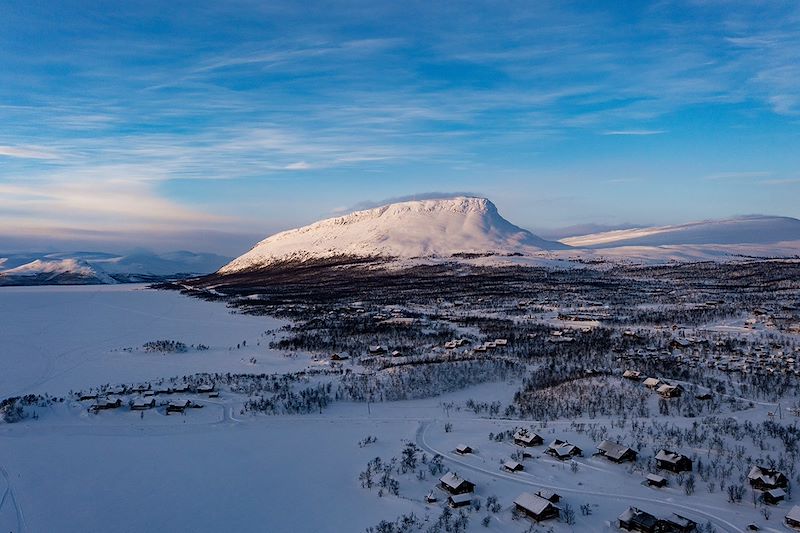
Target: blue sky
{"x":206,"y":125}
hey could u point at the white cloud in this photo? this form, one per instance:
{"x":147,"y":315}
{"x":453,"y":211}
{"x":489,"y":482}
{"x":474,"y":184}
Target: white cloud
{"x":27,"y":152}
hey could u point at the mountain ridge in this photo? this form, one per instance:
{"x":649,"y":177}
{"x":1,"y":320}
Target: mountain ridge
{"x":411,"y":229}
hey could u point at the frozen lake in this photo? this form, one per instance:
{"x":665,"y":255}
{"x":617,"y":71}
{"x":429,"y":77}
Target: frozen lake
{"x":56,"y":339}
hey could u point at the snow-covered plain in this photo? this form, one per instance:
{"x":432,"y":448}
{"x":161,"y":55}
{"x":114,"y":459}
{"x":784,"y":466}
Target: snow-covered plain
{"x":55,"y":339}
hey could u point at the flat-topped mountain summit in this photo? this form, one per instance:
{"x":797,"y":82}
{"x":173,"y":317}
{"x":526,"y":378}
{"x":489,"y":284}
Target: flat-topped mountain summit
{"x":416,"y":229}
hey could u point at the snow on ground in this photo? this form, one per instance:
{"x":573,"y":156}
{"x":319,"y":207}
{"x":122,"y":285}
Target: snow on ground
{"x":216,"y":469}
{"x":59,"y":338}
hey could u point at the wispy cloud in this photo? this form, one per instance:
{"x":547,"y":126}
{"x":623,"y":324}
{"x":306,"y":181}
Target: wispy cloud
{"x":27,"y":152}
{"x":746,"y":175}
{"x":634,"y":132}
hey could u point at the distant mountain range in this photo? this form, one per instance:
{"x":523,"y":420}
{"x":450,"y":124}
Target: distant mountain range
{"x":753,"y":229}
{"x":67,"y":268}
{"x":463,"y":229}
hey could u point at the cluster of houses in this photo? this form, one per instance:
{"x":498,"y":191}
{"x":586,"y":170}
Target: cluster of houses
{"x":664,"y":389}
{"x":692,"y":352}
{"x":770,"y":482}
{"x":539,"y":506}
{"x":455,"y":343}
{"x":459,"y":490}
{"x":634,"y":519}
{"x":491,"y":345}
{"x":146,"y":398}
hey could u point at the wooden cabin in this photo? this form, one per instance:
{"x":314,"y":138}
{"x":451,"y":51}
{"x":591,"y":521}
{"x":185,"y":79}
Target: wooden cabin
{"x":142,"y":404}
{"x":454,"y":484}
{"x":463,"y":449}
{"x":766,"y":478}
{"x":673,"y":462}
{"x":616,"y":452}
{"x":670,"y":391}
{"x":654,"y":480}
{"x":793,"y":517}
{"x":526,"y":439}
{"x":103,"y":404}
{"x":634,"y":519}
{"x":563,"y":450}
{"x":513,"y":466}
{"x":676,"y":523}
{"x":536,"y":507}
{"x":652,"y":383}
{"x":178,"y":406}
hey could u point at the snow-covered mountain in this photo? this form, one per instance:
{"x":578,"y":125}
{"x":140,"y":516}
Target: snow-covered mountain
{"x":746,"y":230}
{"x":416,"y":229}
{"x":99,"y":267}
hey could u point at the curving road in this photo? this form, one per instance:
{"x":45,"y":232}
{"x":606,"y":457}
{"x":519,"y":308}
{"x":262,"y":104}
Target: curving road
{"x":520,"y":478}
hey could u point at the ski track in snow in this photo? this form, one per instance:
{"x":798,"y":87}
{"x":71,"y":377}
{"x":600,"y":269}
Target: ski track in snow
{"x":10,"y":496}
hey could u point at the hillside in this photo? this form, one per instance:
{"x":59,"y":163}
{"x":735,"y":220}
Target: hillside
{"x":415,"y":229}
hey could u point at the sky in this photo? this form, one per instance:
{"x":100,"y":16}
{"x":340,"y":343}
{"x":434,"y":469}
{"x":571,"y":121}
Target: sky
{"x":209,"y":125}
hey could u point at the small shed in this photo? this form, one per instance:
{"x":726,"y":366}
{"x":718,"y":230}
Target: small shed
{"x":548,"y":495}
{"x":463,"y":449}
{"x":513,"y":466}
{"x":654,"y":480}
{"x":459,"y":500}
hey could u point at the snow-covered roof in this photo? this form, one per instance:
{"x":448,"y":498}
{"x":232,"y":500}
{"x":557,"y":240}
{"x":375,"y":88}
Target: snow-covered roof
{"x":533,"y":503}
{"x":525,"y":437}
{"x":656,"y":478}
{"x":679,"y":520}
{"x":562,"y":448}
{"x":546,"y":494}
{"x":766,"y":475}
{"x":651,"y":382}
{"x":461,"y":498}
{"x":452,"y":480}
{"x":613,"y":449}
{"x":670,"y":457}
{"x":512,"y":465}
{"x":794,"y":513}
